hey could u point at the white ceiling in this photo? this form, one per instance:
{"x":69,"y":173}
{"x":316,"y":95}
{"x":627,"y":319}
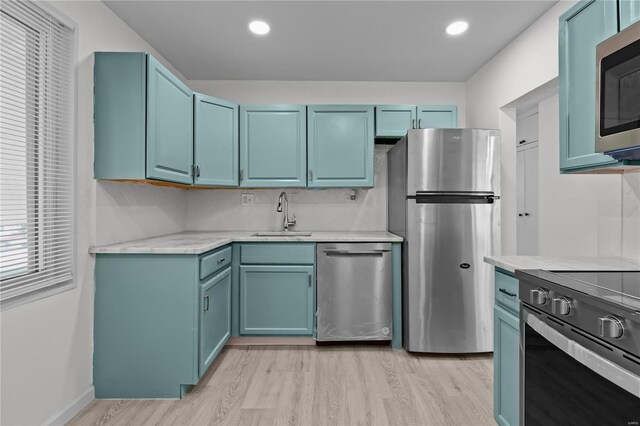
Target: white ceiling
{"x":328,"y":40}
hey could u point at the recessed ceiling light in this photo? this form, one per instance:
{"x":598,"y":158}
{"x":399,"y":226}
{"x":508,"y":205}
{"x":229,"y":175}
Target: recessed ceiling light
{"x":259,"y":27}
{"x":457,"y":27}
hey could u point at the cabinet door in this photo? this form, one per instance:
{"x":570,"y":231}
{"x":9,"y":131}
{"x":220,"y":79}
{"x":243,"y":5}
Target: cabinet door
{"x":520,"y":203}
{"x":341,"y":145}
{"x":531,"y":200}
{"x":169,"y":125}
{"x":215,"y":317}
{"x":215,"y":141}
{"x":581,"y":28}
{"x":527,"y":129}
{"x":276,"y":300}
{"x":506,"y":368}
{"x":273,"y":148}
{"x":527,"y":200}
{"x":437,"y":116}
{"x":394,"y":120}
{"x":629,"y":12}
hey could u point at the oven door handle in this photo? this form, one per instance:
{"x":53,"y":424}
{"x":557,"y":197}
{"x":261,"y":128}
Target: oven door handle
{"x":602,"y":366}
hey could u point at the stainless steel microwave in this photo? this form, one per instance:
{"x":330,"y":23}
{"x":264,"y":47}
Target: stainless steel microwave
{"x":618,"y":95}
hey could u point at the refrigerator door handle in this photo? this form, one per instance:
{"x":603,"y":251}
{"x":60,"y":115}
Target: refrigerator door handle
{"x":455,"y":194}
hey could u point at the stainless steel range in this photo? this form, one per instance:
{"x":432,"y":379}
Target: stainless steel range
{"x":580,"y":347}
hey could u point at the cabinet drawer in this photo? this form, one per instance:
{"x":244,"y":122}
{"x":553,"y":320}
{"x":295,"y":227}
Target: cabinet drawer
{"x":215,"y":261}
{"x":507,"y":294}
{"x":278,"y":254}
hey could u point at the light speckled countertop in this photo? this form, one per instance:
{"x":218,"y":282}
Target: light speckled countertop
{"x":196,"y":242}
{"x":564,"y":263}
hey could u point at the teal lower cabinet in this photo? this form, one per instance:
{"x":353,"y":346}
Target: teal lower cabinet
{"x":157,"y":324}
{"x":276,"y":300}
{"x":274,"y":289}
{"x":629,"y":12}
{"x":215,"y":318}
{"x":506,"y":356}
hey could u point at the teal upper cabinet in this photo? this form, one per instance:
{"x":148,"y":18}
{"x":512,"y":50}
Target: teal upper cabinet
{"x":582,"y":27}
{"x":629,"y":12}
{"x":393,"y":121}
{"x":437,"y":116}
{"x":169,"y":125}
{"x":120,"y":104}
{"x":143,"y":120}
{"x":341,"y":144}
{"x":273,"y":146}
{"x":215,"y":141}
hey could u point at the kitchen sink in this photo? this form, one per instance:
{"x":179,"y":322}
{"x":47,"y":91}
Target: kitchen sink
{"x":282,"y":234}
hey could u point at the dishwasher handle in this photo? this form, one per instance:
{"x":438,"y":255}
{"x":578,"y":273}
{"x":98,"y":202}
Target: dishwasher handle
{"x":356,"y":252}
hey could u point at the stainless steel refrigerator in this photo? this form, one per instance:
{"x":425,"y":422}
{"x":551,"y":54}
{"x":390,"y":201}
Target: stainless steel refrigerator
{"x":444,"y":187}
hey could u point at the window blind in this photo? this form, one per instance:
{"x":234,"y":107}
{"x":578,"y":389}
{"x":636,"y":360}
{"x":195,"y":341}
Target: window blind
{"x":36,"y":150}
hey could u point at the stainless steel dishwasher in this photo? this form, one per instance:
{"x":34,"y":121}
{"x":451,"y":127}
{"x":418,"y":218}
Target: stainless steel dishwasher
{"x":354,"y":292}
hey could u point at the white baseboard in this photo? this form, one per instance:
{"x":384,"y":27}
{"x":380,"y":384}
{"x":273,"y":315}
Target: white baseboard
{"x":74,"y":408}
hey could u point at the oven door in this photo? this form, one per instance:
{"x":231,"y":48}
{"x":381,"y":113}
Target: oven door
{"x":564,"y":381}
{"x":618,"y":94}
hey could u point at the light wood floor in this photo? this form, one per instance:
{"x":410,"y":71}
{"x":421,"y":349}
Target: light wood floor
{"x":307,"y":385}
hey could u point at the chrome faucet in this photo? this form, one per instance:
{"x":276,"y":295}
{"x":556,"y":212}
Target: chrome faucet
{"x":286,"y":222}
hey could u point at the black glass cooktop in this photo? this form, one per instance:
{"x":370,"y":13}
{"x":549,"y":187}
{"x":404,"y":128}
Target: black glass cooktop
{"x":615,"y":286}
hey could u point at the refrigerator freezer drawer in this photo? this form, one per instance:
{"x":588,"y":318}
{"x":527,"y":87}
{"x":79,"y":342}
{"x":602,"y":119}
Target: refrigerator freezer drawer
{"x":354,"y":292}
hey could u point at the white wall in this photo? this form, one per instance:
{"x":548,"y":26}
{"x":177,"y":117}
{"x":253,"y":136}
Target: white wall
{"x":578,"y":214}
{"x":47,"y":345}
{"x":528,"y":62}
{"x":326,"y":209}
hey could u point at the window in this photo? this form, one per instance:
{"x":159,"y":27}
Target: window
{"x":36,"y":151}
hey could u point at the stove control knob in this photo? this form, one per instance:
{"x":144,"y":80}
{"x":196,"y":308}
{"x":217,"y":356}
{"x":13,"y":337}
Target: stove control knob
{"x":561,"y":306}
{"x":610,"y":326}
{"x":539,"y":296}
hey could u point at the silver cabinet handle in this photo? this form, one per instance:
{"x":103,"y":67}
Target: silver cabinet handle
{"x":221,"y":260}
{"x":420,"y":123}
{"x":241,"y":174}
{"x":206,"y":303}
{"x":192,"y":171}
{"x":413,"y":123}
{"x":310,"y":174}
{"x":197,"y":171}
{"x":356,"y":252}
{"x":309,"y":280}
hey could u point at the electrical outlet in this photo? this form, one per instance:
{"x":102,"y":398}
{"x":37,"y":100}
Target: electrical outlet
{"x":247,"y":198}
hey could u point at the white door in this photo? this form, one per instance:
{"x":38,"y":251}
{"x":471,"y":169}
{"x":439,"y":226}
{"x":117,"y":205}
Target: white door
{"x":527,"y":200}
{"x":531,"y":200}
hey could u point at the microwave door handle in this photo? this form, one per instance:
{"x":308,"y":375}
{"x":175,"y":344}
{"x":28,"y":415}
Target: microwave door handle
{"x":596,"y":363}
